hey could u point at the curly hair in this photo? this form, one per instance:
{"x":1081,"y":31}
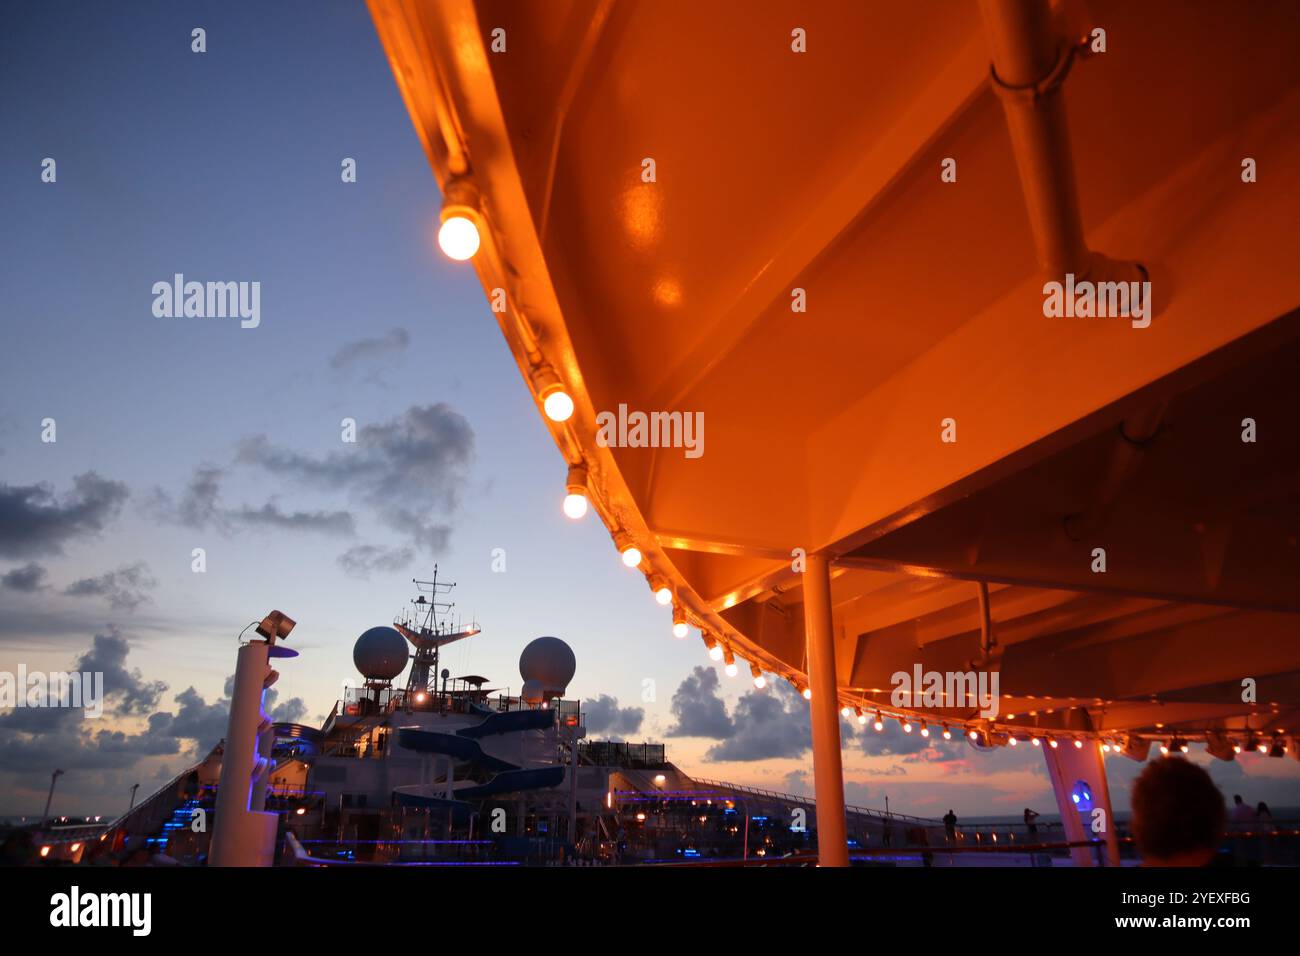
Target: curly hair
{"x":1177,"y":810}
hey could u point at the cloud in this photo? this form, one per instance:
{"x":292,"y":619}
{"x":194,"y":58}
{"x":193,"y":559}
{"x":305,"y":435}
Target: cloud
{"x":406,"y":469}
{"x":360,"y":561}
{"x":395,"y":341}
{"x":34,"y":522}
{"x":767,"y":724}
{"x":699,"y":708}
{"x":29,"y":578}
{"x":128,"y":689}
{"x":200,"y":507}
{"x":604,"y":716}
{"x":125,"y":588}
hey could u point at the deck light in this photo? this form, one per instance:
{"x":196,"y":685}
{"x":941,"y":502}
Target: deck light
{"x":458,"y":235}
{"x":663,"y":593}
{"x":1052,"y":742}
{"x":715,"y":649}
{"x":556,"y":402}
{"x":973,"y":735}
{"x":925,"y":731}
{"x":759,"y":680}
{"x":806,"y":691}
{"x":732,"y":668}
{"x":1035,"y":741}
{"x":630,"y":552}
{"x":862,"y":718}
{"x":907,"y":726}
{"x":575,"y":501}
{"x":1078,"y":744}
{"x":1164,"y":749}
{"x":879,"y":723}
{"x":846,"y":711}
{"x":679,"y":623}
{"x":1011,"y":740}
{"x":45,"y":851}
{"x":947,"y":734}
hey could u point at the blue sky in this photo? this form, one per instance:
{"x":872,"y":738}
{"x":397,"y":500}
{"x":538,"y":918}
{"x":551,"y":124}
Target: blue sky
{"x":225,"y":166}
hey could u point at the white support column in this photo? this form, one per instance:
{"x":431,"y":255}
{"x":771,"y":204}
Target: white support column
{"x":243,"y":834}
{"x":1067,"y":766}
{"x":828,"y":773}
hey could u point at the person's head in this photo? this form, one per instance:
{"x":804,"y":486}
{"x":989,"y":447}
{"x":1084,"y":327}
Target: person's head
{"x":1236,"y":798}
{"x":1262,"y":808}
{"x":1178,"y":814}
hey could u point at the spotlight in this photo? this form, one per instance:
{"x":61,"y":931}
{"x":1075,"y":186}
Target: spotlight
{"x":556,"y":402}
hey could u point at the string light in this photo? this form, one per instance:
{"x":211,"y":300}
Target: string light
{"x":715,"y":649}
{"x":1052,"y":742}
{"x":925,"y":731}
{"x":679,"y":623}
{"x":806,"y":691}
{"x":731,"y":669}
{"x":575,"y":499}
{"x":1011,"y":740}
{"x":556,"y":402}
{"x":907,"y":725}
{"x":663,"y":593}
{"x":458,"y":235}
{"x":1035,"y":741}
{"x":846,"y":711}
{"x":947,"y":734}
{"x":879,"y":723}
{"x":630,"y":552}
{"x":759,"y":680}
{"x":862,"y":718}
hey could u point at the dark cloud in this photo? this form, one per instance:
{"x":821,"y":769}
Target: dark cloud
{"x":768,"y":723}
{"x":699,"y":707}
{"x":604,"y":716}
{"x":28,"y":578}
{"x":126,"y":588}
{"x":200,"y":507}
{"x":126,"y":689}
{"x":407,"y":469}
{"x":33,"y":521}
{"x":361,"y":561}
{"x":393,"y":342}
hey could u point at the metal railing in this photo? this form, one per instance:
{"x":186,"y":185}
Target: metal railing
{"x":808,"y":801}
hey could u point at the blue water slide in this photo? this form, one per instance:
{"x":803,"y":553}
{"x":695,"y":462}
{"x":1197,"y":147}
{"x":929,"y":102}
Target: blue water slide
{"x":452,"y":745}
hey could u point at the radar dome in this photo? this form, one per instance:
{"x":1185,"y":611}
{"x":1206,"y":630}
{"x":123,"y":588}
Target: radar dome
{"x":380,"y":654}
{"x":550,"y":662}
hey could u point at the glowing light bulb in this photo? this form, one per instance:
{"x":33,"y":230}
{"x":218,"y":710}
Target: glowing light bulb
{"x":1078,"y":744}
{"x":846,"y":712}
{"x":907,"y":726}
{"x":878,"y":724}
{"x":558,"y":406}
{"x":631,"y":557}
{"x":807,"y":693}
{"x":974,"y":735}
{"x":925,"y":731}
{"x":947,"y":734}
{"x":1035,"y":741}
{"x":664,"y":595}
{"x":458,"y":238}
{"x":575,"y":505}
{"x":1051,"y":742}
{"x":680,"y":629}
{"x":862,"y":718}
{"x":760,"y":681}
{"x":715,"y":652}
{"x":732,"y":670}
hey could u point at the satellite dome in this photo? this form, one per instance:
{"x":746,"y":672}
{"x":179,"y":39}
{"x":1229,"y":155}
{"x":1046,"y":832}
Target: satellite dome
{"x":380,"y":654}
{"x":550,"y":662}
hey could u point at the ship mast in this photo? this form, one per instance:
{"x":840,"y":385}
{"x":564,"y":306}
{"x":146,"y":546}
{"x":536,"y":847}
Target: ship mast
{"x":430,"y":618}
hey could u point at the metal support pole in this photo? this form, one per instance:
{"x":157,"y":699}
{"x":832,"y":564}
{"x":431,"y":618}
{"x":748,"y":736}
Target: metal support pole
{"x":828,"y":774}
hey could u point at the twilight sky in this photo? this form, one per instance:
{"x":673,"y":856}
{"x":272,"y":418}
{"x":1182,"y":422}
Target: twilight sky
{"x":183,"y":433}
